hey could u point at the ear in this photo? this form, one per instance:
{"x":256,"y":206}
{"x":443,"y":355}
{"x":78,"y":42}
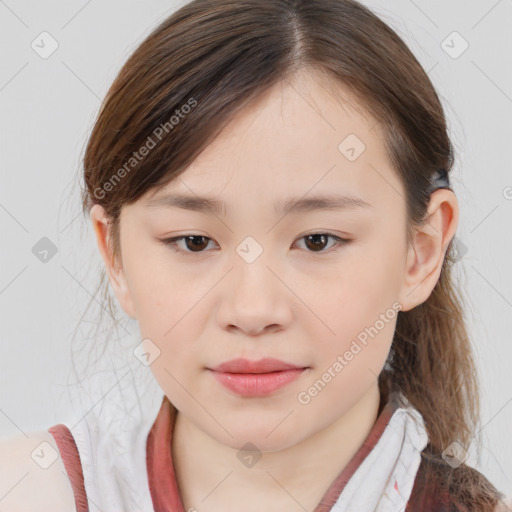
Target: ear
{"x":425,"y":255}
{"x":102,"y":230}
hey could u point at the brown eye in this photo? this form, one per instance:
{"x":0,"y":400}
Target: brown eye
{"x":316,"y":242}
{"x":196,"y":243}
{"x":193,"y":243}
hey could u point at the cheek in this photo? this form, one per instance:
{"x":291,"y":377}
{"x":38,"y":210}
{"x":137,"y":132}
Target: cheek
{"x":171,"y":316}
{"x":358,"y":306}
{"x":171,"y":311}
{"x":358,"y":290}
{"x":151,"y":289}
{"x":161,"y":292}
{"x":350,"y":358}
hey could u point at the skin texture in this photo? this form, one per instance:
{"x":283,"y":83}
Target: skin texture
{"x":299,"y":302}
{"x":25,"y":484}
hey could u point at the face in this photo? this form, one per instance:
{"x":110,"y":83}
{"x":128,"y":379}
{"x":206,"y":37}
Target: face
{"x":318,"y":287}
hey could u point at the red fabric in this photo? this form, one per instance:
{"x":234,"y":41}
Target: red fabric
{"x":162,"y":477}
{"x":71,"y":459}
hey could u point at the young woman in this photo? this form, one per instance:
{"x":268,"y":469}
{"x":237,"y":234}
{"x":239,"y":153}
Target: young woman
{"x":268,"y":182}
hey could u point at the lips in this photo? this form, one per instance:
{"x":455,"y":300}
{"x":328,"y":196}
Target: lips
{"x":256,"y":378}
{"x":265,"y":365}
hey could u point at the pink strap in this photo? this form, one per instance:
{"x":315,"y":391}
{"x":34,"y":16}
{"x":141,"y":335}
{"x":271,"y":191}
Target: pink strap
{"x":161,"y":474}
{"x":71,"y":458}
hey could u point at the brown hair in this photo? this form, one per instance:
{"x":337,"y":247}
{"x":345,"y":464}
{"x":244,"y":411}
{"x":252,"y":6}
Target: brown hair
{"x":212,"y":58}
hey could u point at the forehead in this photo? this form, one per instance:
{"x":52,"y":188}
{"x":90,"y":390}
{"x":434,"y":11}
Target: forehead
{"x":303,"y":137}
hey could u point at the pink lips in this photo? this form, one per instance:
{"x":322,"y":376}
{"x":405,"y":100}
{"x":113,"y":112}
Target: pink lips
{"x":256,"y":378}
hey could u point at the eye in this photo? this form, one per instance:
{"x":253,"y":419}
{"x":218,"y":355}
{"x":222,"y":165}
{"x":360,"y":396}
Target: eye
{"x":193,"y":242}
{"x":318,"y":240}
{"x":197,"y":243}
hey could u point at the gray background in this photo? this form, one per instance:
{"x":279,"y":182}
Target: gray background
{"x":47,"y":109}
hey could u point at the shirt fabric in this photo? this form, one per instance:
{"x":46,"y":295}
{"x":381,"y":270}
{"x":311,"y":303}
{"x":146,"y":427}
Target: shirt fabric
{"x":105,"y":475}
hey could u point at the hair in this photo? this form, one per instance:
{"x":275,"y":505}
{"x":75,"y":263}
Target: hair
{"x":212,"y":58}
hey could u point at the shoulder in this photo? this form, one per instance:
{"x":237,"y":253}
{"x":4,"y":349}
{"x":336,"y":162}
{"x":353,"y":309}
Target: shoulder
{"x":33,"y":477}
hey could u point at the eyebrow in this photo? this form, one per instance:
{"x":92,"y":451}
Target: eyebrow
{"x":205,"y":204}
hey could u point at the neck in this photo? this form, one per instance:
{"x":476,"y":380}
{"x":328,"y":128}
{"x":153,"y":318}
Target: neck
{"x":296,"y":477}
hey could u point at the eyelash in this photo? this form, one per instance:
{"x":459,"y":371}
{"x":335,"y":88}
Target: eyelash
{"x":171,"y":243}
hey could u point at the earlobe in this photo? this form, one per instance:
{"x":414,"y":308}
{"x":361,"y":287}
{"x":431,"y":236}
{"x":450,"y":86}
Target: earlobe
{"x":115,"y":271}
{"x":425,"y":255}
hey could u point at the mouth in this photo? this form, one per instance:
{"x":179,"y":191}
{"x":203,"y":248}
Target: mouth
{"x":265,"y":365}
{"x":256,"y":378}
